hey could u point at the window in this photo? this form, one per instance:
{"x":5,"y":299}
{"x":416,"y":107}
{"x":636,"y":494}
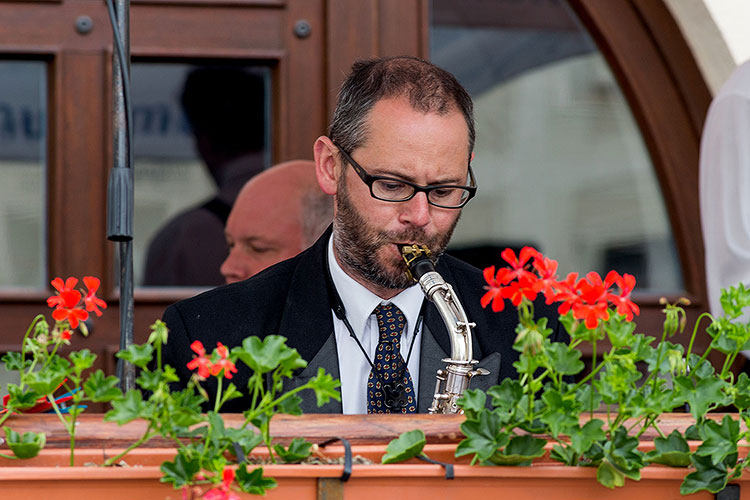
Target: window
{"x":23,"y":159}
{"x":201,"y":131}
{"x":560,"y":162}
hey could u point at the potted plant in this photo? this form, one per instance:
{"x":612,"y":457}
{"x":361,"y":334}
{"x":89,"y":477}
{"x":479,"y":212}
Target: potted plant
{"x":513,"y":422}
{"x":543,"y":418}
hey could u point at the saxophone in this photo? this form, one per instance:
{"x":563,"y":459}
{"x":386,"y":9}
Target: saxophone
{"x":454,"y":379}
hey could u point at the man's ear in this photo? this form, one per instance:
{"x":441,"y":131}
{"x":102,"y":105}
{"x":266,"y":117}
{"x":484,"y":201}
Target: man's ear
{"x":326,"y":168}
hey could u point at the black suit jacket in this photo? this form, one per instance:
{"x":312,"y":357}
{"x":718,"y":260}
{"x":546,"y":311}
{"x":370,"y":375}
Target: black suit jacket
{"x":291,"y":299}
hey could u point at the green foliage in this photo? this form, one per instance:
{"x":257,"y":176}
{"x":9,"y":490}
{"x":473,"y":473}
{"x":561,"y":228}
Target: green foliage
{"x":27,"y":445}
{"x":254,"y":482}
{"x":407,"y":445}
{"x":543,"y":403}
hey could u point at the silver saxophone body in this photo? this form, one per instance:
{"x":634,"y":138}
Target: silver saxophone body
{"x":460,"y":367}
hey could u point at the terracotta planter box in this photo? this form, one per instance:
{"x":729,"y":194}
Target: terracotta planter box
{"x":49,"y":477}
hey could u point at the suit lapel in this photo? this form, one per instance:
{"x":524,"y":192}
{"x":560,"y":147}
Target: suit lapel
{"x":326,"y":358}
{"x":306,"y":321}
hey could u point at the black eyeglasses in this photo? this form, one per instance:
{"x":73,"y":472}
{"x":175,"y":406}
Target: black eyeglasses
{"x":391,"y":189}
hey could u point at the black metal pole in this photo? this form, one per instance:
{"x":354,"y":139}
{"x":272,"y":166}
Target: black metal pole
{"x":121,"y":179}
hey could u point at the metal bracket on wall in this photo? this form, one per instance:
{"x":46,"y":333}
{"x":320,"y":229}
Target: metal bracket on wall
{"x":330,"y":488}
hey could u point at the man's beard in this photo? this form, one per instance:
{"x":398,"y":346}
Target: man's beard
{"x":357,"y":244}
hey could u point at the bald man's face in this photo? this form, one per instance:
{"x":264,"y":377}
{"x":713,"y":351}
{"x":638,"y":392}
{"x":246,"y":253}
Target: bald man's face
{"x":263,"y":229}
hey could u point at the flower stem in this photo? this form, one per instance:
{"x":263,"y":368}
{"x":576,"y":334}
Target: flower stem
{"x":146,"y":436}
{"x":695,"y":331}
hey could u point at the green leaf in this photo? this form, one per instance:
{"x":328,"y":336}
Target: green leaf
{"x":583,"y":438}
{"x":707,"y":476}
{"x":472,"y":402}
{"x":708,"y":392}
{"x":298,"y":450}
{"x":27,"y":445}
{"x":734,"y":300}
{"x":138,"y":355}
{"x":520,"y":451}
{"x":672,"y":451}
{"x":126,"y":409}
{"x":610,"y":476}
{"x":564,"y":359}
{"x":720,"y":440}
{"x":620,"y":331}
{"x":82,"y":360}
{"x":483,"y":437}
{"x":507,"y":395}
{"x":290,"y":406}
{"x":253,"y":482}
{"x":585,"y":399}
{"x":21,"y":399}
{"x":561,"y":411}
{"x":742,"y":392}
{"x":14,"y":362}
{"x":325,"y":387}
{"x":246,"y":438}
{"x":48,"y":380}
{"x":100,"y":388}
{"x":624,"y":454}
{"x":263,"y":356}
{"x":566,"y":454}
{"x":180,"y":472}
{"x":407,"y":445}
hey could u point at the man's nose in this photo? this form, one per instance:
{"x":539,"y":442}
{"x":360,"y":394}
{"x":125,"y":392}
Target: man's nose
{"x":230,"y":269}
{"x":416,"y":211}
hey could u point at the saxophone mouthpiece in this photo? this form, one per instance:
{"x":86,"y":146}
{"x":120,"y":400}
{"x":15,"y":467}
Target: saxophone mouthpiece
{"x":418,"y":261}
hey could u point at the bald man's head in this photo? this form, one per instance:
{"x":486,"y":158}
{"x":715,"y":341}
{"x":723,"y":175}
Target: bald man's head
{"x":277,"y":214}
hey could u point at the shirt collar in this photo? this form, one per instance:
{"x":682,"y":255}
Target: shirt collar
{"x":359,"y":302}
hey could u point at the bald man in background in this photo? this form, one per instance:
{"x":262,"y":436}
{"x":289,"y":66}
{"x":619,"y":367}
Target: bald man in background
{"x":277,"y":214}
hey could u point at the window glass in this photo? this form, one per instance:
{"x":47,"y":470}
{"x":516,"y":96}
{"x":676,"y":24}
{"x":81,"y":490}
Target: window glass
{"x":559,"y":160}
{"x":23,"y":146}
{"x":200,"y":133}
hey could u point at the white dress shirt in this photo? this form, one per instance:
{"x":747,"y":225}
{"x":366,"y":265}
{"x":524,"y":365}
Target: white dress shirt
{"x":725,"y":186}
{"x":360,"y":303}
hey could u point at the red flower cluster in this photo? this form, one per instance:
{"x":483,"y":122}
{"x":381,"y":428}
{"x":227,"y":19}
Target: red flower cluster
{"x":223,"y":491}
{"x":68,"y":304}
{"x":531,"y":273}
{"x":206,"y":366}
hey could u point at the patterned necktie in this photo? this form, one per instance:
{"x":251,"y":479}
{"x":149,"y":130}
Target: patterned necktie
{"x":389,"y":386}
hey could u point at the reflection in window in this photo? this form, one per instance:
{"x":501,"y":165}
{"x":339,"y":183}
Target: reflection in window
{"x":560,"y":162}
{"x":200,"y":134}
{"x":23,"y":144}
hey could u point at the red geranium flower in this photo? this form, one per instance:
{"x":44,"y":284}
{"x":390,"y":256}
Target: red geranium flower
{"x":547,"y":282}
{"x":566,"y":294}
{"x":517,"y":290}
{"x":593,"y":300}
{"x":622,"y":301}
{"x":223,"y":363}
{"x":92,"y":302}
{"x":518,"y":265}
{"x":224,"y":491}
{"x":494,"y":287}
{"x":67,"y":308}
{"x":201,"y":361}
{"x":61,"y":286}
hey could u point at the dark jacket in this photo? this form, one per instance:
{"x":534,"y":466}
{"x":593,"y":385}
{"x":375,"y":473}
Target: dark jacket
{"x":291,"y":299}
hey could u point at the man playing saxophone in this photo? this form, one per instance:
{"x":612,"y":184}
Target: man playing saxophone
{"x":397,"y":161}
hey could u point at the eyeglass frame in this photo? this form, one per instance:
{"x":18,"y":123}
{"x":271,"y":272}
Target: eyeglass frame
{"x":370,"y":180}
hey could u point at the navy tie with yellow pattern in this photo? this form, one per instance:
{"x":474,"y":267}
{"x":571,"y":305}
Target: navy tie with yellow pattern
{"x":389,"y":386}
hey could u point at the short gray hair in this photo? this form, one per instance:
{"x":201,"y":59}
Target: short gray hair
{"x":428,"y":88}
